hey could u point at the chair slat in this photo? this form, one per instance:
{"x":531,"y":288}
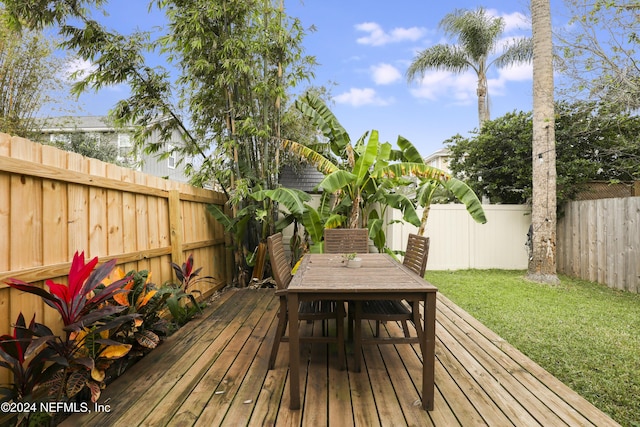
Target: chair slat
{"x":346,"y":240}
{"x":417,"y":254}
{"x":279,"y":265}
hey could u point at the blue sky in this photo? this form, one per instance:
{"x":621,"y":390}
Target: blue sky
{"x":364,"y":47}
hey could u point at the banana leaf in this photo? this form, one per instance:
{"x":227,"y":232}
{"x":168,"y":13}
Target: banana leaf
{"x":419,"y":170}
{"x":315,"y":109}
{"x":291,"y":198}
{"x":402,"y":202}
{"x":367,"y":159}
{"x":334,"y":221}
{"x":465,"y":194}
{"x":376,"y":233}
{"x":313,"y":223}
{"x":384,"y":154}
{"x":409,"y":152}
{"x":337,"y":180}
{"x":323,"y":164}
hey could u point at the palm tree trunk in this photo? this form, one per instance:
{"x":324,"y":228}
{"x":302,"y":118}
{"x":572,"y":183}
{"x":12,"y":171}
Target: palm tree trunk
{"x":483,"y":98}
{"x":542,"y":263}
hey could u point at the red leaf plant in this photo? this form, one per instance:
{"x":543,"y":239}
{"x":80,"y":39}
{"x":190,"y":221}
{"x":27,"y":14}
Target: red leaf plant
{"x":81,"y":302}
{"x":24,"y":357}
{"x":88,"y":318}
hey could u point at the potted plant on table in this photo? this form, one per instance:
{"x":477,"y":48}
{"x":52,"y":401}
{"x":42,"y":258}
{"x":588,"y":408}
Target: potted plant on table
{"x":352,"y":260}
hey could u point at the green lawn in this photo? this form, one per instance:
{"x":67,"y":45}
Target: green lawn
{"x":585,"y":334}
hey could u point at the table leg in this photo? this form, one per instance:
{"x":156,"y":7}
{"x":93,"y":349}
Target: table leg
{"x":429,"y":351}
{"x":294,"y":351}
{"x":357,"y":336}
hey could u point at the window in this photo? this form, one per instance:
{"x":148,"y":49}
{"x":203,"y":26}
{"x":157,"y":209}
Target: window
{"x":59,"y":137}
{"x":171,"y":162}
{"x":124,"y":146}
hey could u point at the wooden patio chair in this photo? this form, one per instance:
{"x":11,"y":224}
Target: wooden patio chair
{"x":396,"y":310}
{"x":346,"y":240}
{"x":307,"y":310}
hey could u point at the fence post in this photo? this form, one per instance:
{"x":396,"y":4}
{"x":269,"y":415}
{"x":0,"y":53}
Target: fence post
{"x":176,"y":227}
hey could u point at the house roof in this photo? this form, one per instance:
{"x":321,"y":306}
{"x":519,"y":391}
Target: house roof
{"x":306,"y":179}
{"x":443,"y":152}
{"x":78,"y":124}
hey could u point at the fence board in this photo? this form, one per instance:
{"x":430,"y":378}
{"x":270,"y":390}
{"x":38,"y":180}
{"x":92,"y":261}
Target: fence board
{"x":55,"y":221}
{"x":53,"y":203}
{"x":607,"y":233}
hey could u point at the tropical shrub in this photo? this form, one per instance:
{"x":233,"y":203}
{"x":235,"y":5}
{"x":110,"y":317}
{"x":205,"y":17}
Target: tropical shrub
{"x":81,"y":302}
{"x":26,"y":359}
{"x":368,"y":177}
{"x":81,"y":357}
{"x":145,"y":332}
{"x":182,"y":302}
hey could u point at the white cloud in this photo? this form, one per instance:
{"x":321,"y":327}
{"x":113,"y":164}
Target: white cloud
{"x":384,"y":74}
{"x":80,"y":66}
{"x":515,"y":21}
{"x":378,"y":37}
{"x":516,"y":73}
{"x":359,"y":97}
{"x":444,"y":84}
{"x":437,"y":85}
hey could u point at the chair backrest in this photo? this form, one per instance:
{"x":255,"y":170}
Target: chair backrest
{"x":280,"y":267}
{"x":417,"y":253}
{"x":346,"y":240}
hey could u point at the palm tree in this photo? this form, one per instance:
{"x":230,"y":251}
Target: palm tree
{"x":478,"y":36}
{"x":542,"y":262}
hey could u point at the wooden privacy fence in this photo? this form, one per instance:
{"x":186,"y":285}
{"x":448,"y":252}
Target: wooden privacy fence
{"x":599,"y":241}
{"x":54,"y":203}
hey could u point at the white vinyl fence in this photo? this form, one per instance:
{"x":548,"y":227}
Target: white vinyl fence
{"x":457,"y":242}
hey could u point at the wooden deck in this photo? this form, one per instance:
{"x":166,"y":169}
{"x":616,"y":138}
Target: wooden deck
{"x":214,"y":372}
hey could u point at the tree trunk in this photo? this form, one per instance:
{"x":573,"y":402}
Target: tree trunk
{"x":483,"y":98}
{"x":423,"y":222}
{"x":542,"y":263}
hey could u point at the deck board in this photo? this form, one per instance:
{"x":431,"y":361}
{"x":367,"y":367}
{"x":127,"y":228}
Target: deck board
{"x":213,"y":371}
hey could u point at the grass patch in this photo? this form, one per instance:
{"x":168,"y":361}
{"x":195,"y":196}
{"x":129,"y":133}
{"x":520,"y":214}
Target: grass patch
{"x":585,"y":334}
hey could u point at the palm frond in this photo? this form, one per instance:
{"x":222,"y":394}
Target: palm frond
{"x":516,"y":51}
{"x":439,"y":57}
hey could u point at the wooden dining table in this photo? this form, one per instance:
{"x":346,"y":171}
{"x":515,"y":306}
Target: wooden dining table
{"x":326,"y":277}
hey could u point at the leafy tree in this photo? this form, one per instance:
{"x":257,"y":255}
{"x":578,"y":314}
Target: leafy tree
{"x":592,"y":143}
{"x":477,"y":35}
{"x":28,"y":73}
{"x":237,"y":61}
{"x":598,"y":52}
{"x":89,"y":146}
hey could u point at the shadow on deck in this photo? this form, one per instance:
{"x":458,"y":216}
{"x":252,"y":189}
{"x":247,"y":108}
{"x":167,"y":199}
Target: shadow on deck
{"x":214,"y":372}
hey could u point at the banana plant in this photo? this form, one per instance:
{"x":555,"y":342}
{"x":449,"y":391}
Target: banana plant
{"x":430,"y":179}
{"x":367,"y":174}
